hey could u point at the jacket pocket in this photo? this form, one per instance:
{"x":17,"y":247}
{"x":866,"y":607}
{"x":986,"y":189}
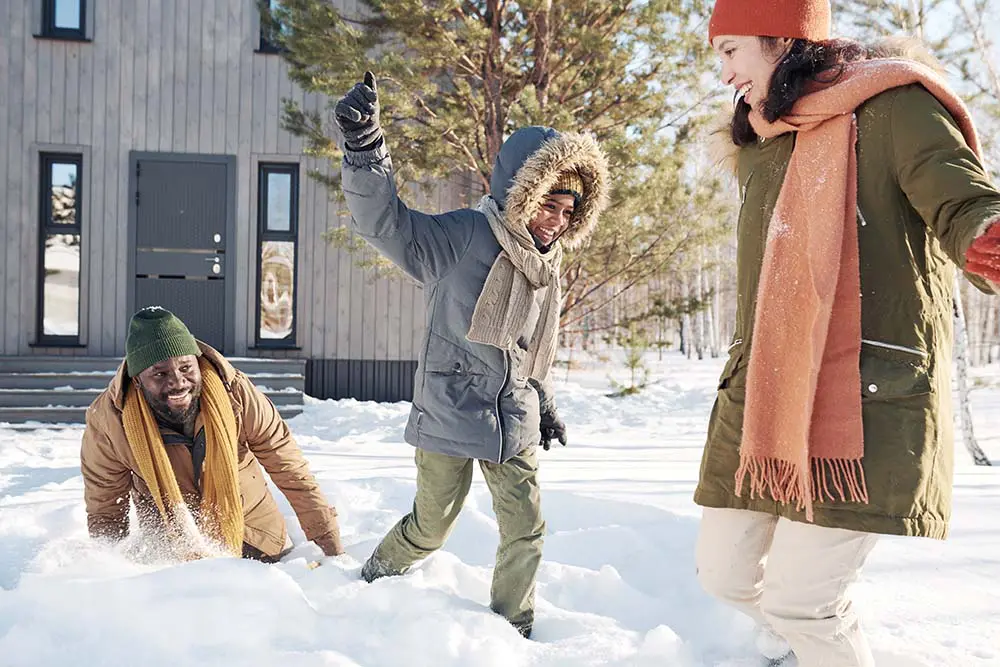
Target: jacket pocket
{"x":891,"y":371}
{"x":732,"y":364}
{"x":253,"y":487}
{"x":443,"y":357}
{"x":263,"y":526}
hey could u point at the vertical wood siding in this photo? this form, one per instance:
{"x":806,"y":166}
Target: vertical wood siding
{"x":174,"y":76}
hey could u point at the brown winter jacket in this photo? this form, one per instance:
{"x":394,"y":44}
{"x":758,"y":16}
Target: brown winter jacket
{"x":110,"y":473}
{"x":923,"y":196}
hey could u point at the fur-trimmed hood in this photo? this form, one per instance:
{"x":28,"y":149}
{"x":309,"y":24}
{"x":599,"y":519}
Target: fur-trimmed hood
{"x":528,"y":165}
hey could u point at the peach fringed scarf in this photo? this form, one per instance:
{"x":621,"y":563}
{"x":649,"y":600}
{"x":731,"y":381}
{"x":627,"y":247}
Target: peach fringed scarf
{"x":803,"y":439}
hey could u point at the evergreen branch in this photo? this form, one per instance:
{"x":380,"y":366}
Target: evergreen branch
{"x":610,"y":277}
{"x":454,"y":141}
{"x":686,"y":112}
{"x":569,"y":51}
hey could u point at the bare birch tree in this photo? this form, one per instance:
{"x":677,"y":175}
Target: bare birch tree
{"x":962,"y":376}
{"x":700,"y":324}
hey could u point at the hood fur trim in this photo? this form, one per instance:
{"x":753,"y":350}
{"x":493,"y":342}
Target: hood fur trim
{"x":535,"y":178}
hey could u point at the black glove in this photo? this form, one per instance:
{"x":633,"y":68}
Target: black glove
{"x":552,"y":428}
{"x":357,"y":115}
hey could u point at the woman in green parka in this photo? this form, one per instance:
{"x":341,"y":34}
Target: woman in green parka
{"x":862,"y":187}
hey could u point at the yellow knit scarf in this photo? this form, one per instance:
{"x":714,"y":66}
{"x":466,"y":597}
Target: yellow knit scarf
{"x":220,"y":515}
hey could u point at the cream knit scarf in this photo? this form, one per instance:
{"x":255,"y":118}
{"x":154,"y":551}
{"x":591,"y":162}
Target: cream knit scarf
{"x":220,"y":515}
{"x":504,"y":304}
{"x":803,"y":438}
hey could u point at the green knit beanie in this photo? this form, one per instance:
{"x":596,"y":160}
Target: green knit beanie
{"x":155,"y":334}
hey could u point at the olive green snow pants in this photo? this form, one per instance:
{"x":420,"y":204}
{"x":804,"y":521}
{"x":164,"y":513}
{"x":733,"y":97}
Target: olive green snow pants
{"x":443,"y":482}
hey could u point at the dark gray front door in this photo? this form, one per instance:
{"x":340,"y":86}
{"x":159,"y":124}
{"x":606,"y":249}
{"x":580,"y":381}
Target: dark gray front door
{"x":182,"y":209}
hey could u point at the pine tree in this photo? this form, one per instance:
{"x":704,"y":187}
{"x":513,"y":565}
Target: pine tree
{"x":457,"y":76}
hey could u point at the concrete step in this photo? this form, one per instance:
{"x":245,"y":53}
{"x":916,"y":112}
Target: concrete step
{"x":273,"y":382}
{"x":69,"y":364}
{"x":32,"y":418}
{"x":79,"y":380}
{"x":41,"y":417}
{"x":42,"y":398}
{"x":57,"y":364}
{"x":258,"y":366}
{"x":100,"y":380}
{"x":58,"y":389}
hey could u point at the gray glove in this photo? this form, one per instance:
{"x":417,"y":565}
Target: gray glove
{"x":357,"y":115}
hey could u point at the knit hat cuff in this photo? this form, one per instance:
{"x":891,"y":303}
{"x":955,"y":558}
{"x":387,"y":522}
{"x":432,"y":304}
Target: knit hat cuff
{"x":794,"y":19}
{"x":569,"y":182}
{"x":176,"y":345}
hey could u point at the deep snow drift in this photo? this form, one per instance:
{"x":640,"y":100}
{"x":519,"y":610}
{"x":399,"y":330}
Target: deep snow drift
{"x":617,"y":586}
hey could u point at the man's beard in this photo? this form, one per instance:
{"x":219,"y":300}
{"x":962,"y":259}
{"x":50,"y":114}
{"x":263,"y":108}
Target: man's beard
{"x":165,"y":413}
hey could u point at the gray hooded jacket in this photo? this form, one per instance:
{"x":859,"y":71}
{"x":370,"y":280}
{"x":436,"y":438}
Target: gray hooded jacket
{"x":469,"y":399}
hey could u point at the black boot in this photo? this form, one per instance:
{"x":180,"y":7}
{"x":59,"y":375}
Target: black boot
{"x":376,"y":568}
{"x":523,"y":628}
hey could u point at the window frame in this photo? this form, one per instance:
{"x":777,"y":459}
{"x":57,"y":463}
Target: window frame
{"x":265,"y":45}
{"x":264,"y":169}
{"x":46,"y":228}
{"x":49,"y":29}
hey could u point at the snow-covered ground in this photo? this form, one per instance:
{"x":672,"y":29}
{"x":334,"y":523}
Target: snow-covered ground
{"x":617,"y":586}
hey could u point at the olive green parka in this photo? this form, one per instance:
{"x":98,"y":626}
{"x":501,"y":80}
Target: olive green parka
{"x":923,"y":196}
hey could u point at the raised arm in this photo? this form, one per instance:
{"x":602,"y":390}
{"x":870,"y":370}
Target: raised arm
{"x":425,"y":246}
{"x":945,"y":181}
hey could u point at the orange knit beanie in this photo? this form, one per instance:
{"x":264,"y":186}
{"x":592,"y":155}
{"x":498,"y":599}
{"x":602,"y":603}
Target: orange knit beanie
{"x":796,"y":19}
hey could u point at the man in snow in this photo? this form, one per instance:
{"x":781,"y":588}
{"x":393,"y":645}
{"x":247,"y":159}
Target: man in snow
{"x":185,"y":434}
{"x":491,"y":278}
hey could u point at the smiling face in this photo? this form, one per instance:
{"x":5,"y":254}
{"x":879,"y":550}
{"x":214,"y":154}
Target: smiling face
{"x":172,"y":388}
{"x":552,"y":219}
{"x":747,"y":65}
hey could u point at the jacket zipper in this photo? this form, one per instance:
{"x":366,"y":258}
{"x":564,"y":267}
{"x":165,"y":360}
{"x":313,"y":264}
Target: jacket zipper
{"x":506,"y":372}
{"x":864,"y":222}
{"x":898,"y":348}
{"x":746,"y":183}
{"x":743,"y":201}
{"x":873,"y":343}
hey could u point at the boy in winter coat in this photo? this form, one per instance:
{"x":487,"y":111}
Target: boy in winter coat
{"x":862,"y":187}
{"x":182,"y":431}
{"x":491,"y":279}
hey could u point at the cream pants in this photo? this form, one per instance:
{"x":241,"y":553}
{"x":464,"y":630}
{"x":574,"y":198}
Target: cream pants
{"x":790,"y":576}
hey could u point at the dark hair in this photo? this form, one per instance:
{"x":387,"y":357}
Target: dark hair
{"x":805,"y":62}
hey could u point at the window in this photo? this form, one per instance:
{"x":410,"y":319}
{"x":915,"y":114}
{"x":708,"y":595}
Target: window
{"x":59,"y":249}
{"x":64,"y":19}
{"x":277,"y":236}
{"x":268,"y":41}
